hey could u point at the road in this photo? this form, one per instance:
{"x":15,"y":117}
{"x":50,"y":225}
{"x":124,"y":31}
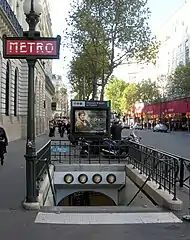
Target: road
{"x":174,"y":142}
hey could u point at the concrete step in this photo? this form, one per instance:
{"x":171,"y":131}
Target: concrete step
{"x":105,"y":218}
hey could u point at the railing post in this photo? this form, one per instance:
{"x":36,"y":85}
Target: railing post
{"x":176,"y":167}
{"x":181,"y":173}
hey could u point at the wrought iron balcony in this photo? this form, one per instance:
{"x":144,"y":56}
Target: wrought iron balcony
{"x":9,"y":15}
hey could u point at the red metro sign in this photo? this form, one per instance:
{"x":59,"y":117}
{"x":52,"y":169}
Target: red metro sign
{"x":40,"y":48}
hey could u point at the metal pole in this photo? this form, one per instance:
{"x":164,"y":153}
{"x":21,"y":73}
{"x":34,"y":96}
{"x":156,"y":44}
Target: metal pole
{"x":31,"y":190}
{"x":188,"y":115}
{"x":187,"y":217}
{"x":30,"y":156}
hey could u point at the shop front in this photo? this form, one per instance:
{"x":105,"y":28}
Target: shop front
{"x":175,"y":114}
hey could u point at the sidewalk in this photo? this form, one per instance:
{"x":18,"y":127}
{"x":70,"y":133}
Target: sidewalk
{"x":12,"y":174}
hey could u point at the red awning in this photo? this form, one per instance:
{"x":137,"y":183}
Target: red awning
{"x":177,"y":106}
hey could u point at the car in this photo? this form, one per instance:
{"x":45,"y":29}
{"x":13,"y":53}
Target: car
{"x":125,"y":125}
{"x":160,"y":127}
{"x":137,"y":126}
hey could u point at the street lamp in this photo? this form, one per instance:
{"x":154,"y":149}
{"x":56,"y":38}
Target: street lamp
{"x":32,"y":10}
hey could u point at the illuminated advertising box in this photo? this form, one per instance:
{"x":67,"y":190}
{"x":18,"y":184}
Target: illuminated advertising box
{"x":90,"y":119}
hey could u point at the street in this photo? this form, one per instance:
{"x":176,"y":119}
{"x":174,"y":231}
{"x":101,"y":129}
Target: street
{"x":177,"y":143}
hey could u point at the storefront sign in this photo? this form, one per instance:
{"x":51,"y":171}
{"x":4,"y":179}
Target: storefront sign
{"x":40,"y":48}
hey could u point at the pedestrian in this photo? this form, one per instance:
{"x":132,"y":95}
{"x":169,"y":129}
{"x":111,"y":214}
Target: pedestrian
{"x":3,"y":144}
{"x":51,"y":129}
{"x":63,"y":125}
{"x":116,"y":130}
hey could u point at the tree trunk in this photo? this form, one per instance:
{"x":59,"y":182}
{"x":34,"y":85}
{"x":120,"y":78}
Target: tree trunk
{"x":103,"y":87}
{"x":94,"y":89}
{"x":102,"y":93}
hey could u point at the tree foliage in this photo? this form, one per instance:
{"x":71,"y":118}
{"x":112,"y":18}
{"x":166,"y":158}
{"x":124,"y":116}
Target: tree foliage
{"x":129,"y":98}
{"x":124,"y":95}
{"x":180,"y":81}
{"x":114,"y":92}
{"x":83,"y":70}
{"x":147,"y":91}
{"x":120,"y":27}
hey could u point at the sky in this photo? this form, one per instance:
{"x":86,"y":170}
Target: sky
{"x":161,"y":11}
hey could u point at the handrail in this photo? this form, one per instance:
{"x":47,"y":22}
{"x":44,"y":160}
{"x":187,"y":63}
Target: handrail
{"x":43,"y":147}
{"x":183,"y":166}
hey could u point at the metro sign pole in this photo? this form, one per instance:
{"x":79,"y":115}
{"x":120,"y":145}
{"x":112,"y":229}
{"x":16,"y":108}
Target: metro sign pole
{"x":31,"y":47}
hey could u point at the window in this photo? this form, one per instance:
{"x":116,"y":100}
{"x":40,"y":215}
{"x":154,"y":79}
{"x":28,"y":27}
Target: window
{"x":18,"y":11}
{"x":7,"y":93}
{"x":15,"y":91}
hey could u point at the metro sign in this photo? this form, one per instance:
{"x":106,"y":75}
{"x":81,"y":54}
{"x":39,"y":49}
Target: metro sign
{"x":40,"y":47}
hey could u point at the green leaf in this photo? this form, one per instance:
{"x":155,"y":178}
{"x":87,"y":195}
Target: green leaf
{"x":114,"y":92}
{"x":180,"y":81}
{"x":129,"y":98}
{"x":147,"y":91}
{"x":110,"y":32}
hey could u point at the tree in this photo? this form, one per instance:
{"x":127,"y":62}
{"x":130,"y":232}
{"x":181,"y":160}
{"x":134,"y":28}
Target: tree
{"x":83,"y":70}
{"x":129,"y":98}
{"x":120,"y":27}
{"x":114,"y":92}
{"x":180,"y":81}
{"x":79,"y":78}
{"x":147,"y":91}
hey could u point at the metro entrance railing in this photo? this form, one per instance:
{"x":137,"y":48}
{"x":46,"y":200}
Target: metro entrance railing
{"x":165,"y":169}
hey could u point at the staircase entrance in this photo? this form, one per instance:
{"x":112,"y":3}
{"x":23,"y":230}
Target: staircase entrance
{"x":87,"y":198}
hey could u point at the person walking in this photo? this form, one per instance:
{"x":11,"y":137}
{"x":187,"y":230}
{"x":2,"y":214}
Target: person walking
{"x":3,"y":144}
{"x":116,"y":130}
{"x":51,"y":129}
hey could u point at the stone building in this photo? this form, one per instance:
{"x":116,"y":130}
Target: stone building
{"x":61,"y":96}
{"x":14,"y":74}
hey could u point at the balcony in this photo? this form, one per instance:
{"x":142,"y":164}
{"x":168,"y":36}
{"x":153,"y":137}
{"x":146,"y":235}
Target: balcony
{"x":8,"y":15}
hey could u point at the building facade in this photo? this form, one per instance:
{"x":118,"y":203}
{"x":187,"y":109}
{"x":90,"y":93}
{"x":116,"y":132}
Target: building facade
{"x":14,"y":74}
{"x":61,"y":96}
{"x":174,"y":37}
{"x":135,"y":72}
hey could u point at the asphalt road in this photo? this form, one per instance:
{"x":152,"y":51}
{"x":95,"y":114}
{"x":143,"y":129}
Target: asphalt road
{"x":177,"y":143}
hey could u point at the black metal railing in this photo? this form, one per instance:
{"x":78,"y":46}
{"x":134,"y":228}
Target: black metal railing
{"x":184,"y":169}
{"x":10,"y":16}
{"x":43,"y":157}
{"x":62,"y":151}
{"x":158,"y":166}
{"x":184,"y":174}
{"x":161,"y":167}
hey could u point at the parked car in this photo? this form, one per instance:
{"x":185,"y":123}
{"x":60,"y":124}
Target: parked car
{"x":137,"y":126}
{"x":125,"y":125}
{"x":160,"y":128}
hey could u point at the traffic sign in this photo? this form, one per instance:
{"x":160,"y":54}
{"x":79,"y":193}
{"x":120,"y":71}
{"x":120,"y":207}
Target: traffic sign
{"x":59,"y":149}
